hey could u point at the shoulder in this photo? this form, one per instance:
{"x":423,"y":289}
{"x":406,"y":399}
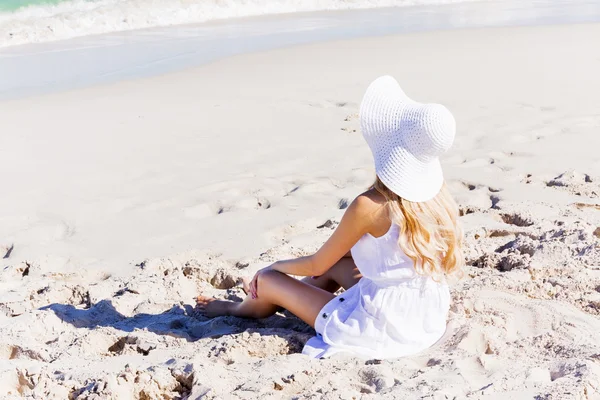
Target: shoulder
{"x":367,"y":203}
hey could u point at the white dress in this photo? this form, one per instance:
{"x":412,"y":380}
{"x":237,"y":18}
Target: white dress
{"x":391,"y":312}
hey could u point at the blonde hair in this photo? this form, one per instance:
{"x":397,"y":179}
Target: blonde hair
{"x":430,"y":233}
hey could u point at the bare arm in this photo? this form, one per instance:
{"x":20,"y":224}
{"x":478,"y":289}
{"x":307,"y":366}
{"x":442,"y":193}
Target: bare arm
{"x":354,"y":224}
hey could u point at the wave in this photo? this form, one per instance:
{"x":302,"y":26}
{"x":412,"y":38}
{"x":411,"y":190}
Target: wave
{"x":73,"y":18}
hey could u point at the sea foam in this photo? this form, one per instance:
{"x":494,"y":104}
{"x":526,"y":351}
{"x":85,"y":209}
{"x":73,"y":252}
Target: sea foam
{"x":68,"y":19}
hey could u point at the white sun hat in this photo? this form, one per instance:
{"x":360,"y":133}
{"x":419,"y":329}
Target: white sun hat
{"x":406,"y":139}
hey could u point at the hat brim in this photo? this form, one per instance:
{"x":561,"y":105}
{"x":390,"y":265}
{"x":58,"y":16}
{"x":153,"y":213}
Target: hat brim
{"x":381,"y":110}
{"x":410,"y":178}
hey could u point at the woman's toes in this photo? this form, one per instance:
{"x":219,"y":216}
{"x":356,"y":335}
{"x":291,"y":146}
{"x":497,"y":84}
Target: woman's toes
{"x":203,"y":301}
{"x":212,"y":307}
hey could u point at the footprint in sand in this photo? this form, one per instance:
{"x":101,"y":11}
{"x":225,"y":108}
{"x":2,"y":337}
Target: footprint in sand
{"x":478,"y":199}
{"x":578,"y":183}
{"x":252,"y":203}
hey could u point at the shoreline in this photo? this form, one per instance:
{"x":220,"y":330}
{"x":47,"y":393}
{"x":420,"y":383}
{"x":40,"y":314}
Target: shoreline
{"x":102,"y":59}
{"x":57,"y":25}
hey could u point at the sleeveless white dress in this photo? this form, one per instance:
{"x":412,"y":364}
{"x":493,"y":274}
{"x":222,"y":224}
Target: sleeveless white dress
{"x":391,"y":312}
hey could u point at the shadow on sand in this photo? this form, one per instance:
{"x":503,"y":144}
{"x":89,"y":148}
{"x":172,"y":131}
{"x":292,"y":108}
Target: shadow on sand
{"x":178,"y":321}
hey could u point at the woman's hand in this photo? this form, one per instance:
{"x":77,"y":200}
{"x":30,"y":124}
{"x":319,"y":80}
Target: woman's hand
{"x":254,"y":283}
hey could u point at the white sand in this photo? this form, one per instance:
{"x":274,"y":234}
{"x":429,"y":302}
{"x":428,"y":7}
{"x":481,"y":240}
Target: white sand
{"x":122,"y":202}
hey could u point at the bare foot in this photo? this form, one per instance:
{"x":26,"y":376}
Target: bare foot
{"x":212,"y":307}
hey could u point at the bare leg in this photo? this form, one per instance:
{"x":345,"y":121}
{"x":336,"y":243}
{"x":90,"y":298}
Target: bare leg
{"x":343,"y":274}
{"x":274,"y":290}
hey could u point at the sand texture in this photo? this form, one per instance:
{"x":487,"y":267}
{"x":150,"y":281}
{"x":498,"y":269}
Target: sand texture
{"x":122,"y":202}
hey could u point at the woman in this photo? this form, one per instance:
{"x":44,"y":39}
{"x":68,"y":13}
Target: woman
{"x":392,"y":251}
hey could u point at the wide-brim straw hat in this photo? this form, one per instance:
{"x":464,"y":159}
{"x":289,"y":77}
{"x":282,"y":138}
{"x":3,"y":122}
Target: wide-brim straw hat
{"x":406,"y":139}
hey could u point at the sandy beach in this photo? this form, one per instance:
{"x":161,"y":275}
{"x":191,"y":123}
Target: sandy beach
{"x":121,"y":202}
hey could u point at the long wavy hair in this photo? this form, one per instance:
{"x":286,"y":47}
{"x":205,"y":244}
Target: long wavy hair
{"x":430,"y":233}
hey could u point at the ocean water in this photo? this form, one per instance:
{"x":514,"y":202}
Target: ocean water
{"x":33,"y":69}
{"x":30,"y":21}
{"x":12,"y":5}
